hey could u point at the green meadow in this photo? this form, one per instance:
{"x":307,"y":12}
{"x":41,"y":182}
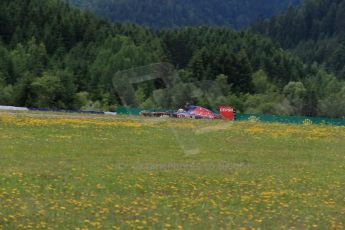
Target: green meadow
{"x":62,"y":171}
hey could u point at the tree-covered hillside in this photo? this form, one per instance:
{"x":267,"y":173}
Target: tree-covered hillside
{"x":49,"y":54}
{"x":261,"y":77}
{"x":52,"y":55}
{"x":172,"y":13}
{"x":315,"y":31}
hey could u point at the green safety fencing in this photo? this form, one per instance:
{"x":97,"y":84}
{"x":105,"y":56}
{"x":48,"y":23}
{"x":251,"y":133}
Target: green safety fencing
{"x":256,"y":117}
{"x":128,"y":111}
{"x":290,"y":119}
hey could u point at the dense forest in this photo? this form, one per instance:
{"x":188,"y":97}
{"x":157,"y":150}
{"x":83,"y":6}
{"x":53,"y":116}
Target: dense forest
{"x":49,"y":54}
{"x":172,"y":13}
{"x":52,"y":55}
{"x":315,"y":31}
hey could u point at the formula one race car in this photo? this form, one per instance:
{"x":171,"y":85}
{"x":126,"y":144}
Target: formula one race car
{"x":196,"y":112}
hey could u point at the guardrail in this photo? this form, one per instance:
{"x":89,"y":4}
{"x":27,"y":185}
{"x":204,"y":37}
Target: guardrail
{"x":13,"y":108}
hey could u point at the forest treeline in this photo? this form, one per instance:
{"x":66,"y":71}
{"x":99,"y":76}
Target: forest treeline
{"x":174,"y":13}
{"x":314,"y":31}
{"x":55,"y":56}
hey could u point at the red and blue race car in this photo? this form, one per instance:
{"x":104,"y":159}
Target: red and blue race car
{"x":196,"y":112}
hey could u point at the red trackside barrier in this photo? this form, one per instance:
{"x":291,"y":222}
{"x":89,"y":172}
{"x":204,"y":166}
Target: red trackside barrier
{"x":227,"y":112}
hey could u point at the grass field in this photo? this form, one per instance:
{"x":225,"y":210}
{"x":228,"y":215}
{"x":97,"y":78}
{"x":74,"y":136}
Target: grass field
{"x":62,"y":171}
